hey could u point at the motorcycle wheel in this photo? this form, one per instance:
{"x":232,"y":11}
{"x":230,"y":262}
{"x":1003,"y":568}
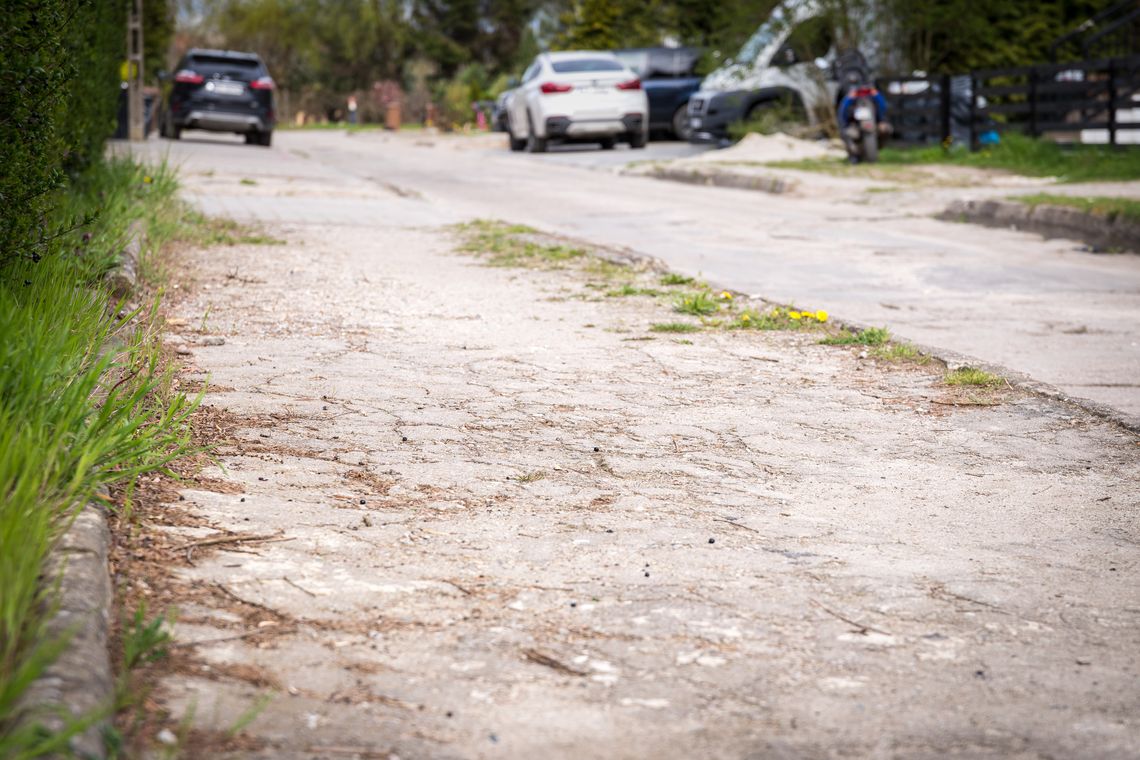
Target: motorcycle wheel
{"x":870,"y":145}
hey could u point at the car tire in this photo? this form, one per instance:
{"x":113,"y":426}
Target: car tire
{"x":252,"y":138}
{"x":682,"y":127}
{"x":265,"y":139}
{"x":534,"y":143}
{"x":637,"y":140}
{"x":516,"y":144}
{"x":608,"y":143}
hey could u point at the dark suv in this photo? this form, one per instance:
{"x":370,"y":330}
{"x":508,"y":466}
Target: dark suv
{"x":668,"y":78}
{"x":221,"y":91}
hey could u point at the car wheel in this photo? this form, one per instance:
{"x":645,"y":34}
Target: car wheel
{"x":252,"y":138}
{"x":637,"y":140}
{"x":534,"y":143}
{"x":516,"y":144}
{"x":608,"y":143}
{"x":682,"y":127}
{"x":265,"y":139}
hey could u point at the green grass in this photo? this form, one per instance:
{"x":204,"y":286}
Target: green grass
{"x":1030,"y":157}
{"x":506,"y":245}
{"x":872,"y":336}
{"x":631,"y":290}
{"x":1016,"y":153}
{"x":900,"y":352}
{"x":85,"y":404}
{"x":207,"y":231}
{"x":676,"y":279}
{"x":698,"y":304}
{"x":674,"y":327}
{"x":1110,"y":208}
{"x":777,"y":318}
{"x":969,"y":376}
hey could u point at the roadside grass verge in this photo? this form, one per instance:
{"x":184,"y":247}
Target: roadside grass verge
{"x":1016,"y":153}
{"x":1109,"y":208}
{"x":86,"y":403}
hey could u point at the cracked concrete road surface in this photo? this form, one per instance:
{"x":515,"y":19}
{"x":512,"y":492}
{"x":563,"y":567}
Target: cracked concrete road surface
{"x":508,"y":521}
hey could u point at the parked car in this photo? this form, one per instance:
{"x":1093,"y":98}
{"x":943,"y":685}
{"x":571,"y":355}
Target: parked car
{"x":578,"y":96}
{"x":220,"y":91}
{"x":668,"y":78}
{"x":502,"y":105}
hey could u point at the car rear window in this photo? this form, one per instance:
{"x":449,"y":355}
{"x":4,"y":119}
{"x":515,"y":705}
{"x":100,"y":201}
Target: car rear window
{"x":585,"y":64}
{"x":234,"y":68}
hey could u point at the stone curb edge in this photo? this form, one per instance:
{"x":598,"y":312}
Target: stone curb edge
{"x":1047,"y":220}
{"x":951,"y":359}
{"x":80,"y":684}
{"x":717,"y":177}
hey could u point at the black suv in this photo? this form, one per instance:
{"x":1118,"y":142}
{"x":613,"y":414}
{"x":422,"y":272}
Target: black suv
{"x":221,"y":91}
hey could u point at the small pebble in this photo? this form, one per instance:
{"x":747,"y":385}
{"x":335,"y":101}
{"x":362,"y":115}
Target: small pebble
{"x":646,"y":573}
{"x":712,"y":540}
{"x":362,"y":501}
{"x":573,"y":604}
{"x":596,"y":449}
{"x":405,"y":438}
{"x":243,"y":498}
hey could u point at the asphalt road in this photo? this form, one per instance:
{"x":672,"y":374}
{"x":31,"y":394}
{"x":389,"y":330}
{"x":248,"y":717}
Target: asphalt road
{"x":1044,"y":308}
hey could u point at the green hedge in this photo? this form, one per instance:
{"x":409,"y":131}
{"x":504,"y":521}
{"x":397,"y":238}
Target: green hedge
{"x":59,"y":80}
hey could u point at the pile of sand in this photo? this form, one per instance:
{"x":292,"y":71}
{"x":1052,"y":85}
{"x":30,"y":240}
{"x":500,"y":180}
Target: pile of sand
{"x":756,"y":148}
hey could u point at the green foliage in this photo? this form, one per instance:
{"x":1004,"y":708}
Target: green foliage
{"x":1035,"y":158}
{"x":144,"y":642}
{"x":84,"y":404}
{"x":54,"y":121}
{"x":969,"y":376}
{"x":872,"y":336}
{"x":674,"y":327}
{"x":698,"y":304}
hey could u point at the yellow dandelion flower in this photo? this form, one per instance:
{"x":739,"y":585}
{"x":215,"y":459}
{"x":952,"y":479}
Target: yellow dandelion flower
{"x":821,"y":315}
{"x":795,"y":314}
{"x":744,"y":318}
{"x":726,"y":295}
{"x":147,"y":180}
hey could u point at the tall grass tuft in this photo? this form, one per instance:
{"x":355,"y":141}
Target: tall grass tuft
{"x":85,"y":403}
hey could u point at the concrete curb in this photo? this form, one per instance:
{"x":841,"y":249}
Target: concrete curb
{"x":1049,"y":221}
{"x":717,"y":177}
{"x":79,"y":684}
{"x":123,"y":278}
{"x":953,"y":360}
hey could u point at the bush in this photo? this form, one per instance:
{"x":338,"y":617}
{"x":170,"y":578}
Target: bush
{"x":59,"y":81}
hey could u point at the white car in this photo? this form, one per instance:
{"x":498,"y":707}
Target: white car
{"x":579,"y":96}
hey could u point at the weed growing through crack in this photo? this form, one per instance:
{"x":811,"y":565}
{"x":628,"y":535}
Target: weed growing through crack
{"x":777,"y":318}
{"x":900,"y":352}
{"x":872,"y":336}
{"x":632,"y":290}
{"x":676,"y":279}
{"x":674,"y":327}
{"x":977,"y":378}
{"x":699,"y":304}
{"x":506,"y":245}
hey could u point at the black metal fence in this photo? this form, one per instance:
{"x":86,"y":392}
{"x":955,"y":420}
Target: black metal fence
{"x":1056,"y":100}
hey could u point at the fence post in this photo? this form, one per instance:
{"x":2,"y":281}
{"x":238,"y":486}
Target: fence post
{"x":944,"y":115}
{"x":973,"y":110}
{"x":1033,"y":102}
{"x":1112,"y":102}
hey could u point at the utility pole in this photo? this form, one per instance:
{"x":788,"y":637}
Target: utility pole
{"x":136,"y":117}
